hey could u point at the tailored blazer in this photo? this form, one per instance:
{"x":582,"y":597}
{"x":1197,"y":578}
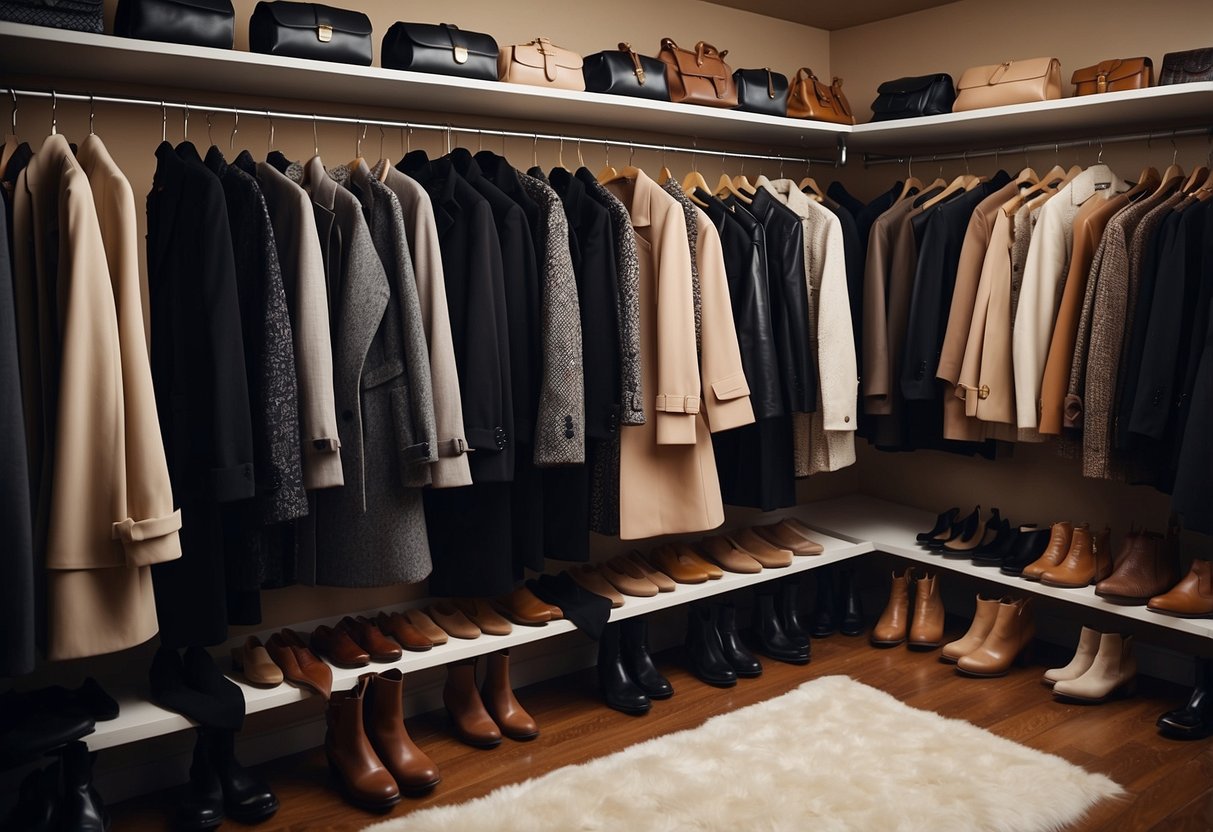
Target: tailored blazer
{"x":198,"y":370}
{"x":451,"y":468}
{"x":986,"y":377}
{"x":668,"y":481}
{"x":371,"y":532}
{"x":1045,"y":270}
{"x":302,"y":264}
{"x":877,"y":385}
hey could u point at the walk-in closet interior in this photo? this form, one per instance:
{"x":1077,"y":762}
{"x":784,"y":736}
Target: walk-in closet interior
{"x":548,"y":416}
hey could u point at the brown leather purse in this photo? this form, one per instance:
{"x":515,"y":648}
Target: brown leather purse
{"x":1114,"y":76}
{"x":809,"y":98}
{"x":542,"y":64}
{"x":1011,"y":82}
{"x":698,"y":76}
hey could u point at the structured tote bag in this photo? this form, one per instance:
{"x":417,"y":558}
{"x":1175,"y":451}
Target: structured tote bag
{"x":809,"y":98}
{"x":761,"y":91}
{"x":310,"y":30}
{"x":699,"y":75}
{"x":192,"y":22}
{"x":626,"y":72}
{"x":442,"y":49}
{"x":921,"y":95}
{"x":1113,"y":76}
{"x":541,"y":63}
{"x":1186,"y":67}
{"x":1011,"y":82}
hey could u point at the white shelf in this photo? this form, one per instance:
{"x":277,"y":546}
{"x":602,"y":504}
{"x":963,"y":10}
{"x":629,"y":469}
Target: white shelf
{"x":141,"y":719}
{"x":891,"y":527}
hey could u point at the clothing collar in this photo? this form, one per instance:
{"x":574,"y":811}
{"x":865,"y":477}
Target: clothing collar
{"x":571,"y":191}
{"x":317,"y":182}
{"x":1097,"y":179}
{"x":638,"y":197}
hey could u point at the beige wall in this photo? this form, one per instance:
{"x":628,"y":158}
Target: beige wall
{"x":954,"y":37}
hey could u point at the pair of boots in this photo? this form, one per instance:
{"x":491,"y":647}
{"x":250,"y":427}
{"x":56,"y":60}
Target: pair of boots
{"x":1102,"y":665}
{"x":1075,"y":557}
{"x":220,"y":787}
{"x":1001,"y":632}
{"x":482,"y":717}
{"x":369,"y":749}
{"x":60,"y":797}
{"x":1194,"y":721}
{"x":778,"y":630}
{"x":925,"y":630}
{"x":837,"y":611}
{"x":627,"y":677}
{"x":714,"y":648}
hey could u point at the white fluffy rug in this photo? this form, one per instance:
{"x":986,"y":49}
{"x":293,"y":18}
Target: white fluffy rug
{"x":831,"y":755}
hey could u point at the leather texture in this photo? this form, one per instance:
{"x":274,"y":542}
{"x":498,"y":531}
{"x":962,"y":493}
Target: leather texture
{"x":299,"y":664}
{"x":761,"y":549}
{"x":773,"y":640}
{"x":383,"y":721}
{"x":1113,"y":76}
{"x":482,"y":614}
{"x":1113,"y":669}
{"x":785,"y":536}
{"x":336,"y":646}
{"x":76,"y":15}
{"x":404,"y":631}
{"x":426,"y":626}
{"x":1054,"y":554}
{"x":809,"y":98}
{"x":1084,"y":657}
{"x":541,"y":63}
{"x":498,"y":696}
{"x":1011,"y":634}
{"x":1185,"y":67}
{"x":441,"y":49}
{"x":592,"y":580}
{"x":727,"y":556}
{"x":704,"y":648}
{"x":893,"y":625}
{"x":699,"y":75}
{"x":686,"y":553}
{"x":522,"y":607}
{"x":623,"y":71}
{"x":744,"y":663}
{"x":471,"y":721}
{"x":310,"y":30}
{"x":761,"y":91}
{"x":1147,"y":565}
{"x":193,"y":22}
{"x":914,"y":96}
{"x":618,"y":688}
{"x":370,"y":638}
{"x":1192,"y":597}
{"x":678,"y":566}
{"x":634,"y":650}
{"x":1011,"y":82}
{"x":626,"y":577}
{"x":663,"y":581}
{"x":452,"y":620}
{"x":979,"y":629}
{"x":364,"y":780}
{"x":252,"y":659}
{"x":926,"y":627}
{"x":1089,"y":560}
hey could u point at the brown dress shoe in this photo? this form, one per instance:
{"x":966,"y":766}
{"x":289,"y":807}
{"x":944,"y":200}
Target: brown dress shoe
{"x":1192,"y":597}
{"x":426,"y":626}
{"x":626,"y":577}
{"x":522,"y":607}
{"x":1088,"y":561}
{"x":667,"y":559}
{"x":662,"y":581}
{"x":761,"y":549}
{"x":471,"y":721}
{"x":481,"y":613}
{"x":455,"y":623}
{"x":253,"y":660}
{"x":1054,"y":553}
{"x":1147,"y":565}
{"x":364,"y":780}
{"x":983,"y":622}
{"x":589,"y":579}
{"x":1008,"y":640}
{"x":401,"y":629}
{"x":785,"y":537}
{"x":894,"y":622}
{"x":337,"y":646}
{"x":300,"y":666}
{"x":926,"y":628}
{"x":383,"y":720}
{"x":727,"y":556}
{"x":500,"y":702}
{"x":371,"y":639}
{"x":687,"y":553}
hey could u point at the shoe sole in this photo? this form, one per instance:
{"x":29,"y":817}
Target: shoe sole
{"x":1058,"y":585}
{"x":923,"y":646}
{"x":629,"y":711}
{"x":252,"y":817}
{"x":413,"y":791}
{"x":885,"y":644}
{"x":1126,"y":600}
{"x":662,"y":696}
{"x":522,"y":737}
{"x":964,"y":672}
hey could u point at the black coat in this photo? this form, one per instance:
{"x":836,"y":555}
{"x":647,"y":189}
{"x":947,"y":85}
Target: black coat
{"x":198,"y":371}
{"x":1193,"y":493}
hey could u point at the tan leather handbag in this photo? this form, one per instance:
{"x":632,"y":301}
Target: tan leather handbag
{"x":698,"y":76}
{"x":1011,"y":82}
{"x":1114,"y":76}
{"x":541,"y":64}
{"x":809,"y":98}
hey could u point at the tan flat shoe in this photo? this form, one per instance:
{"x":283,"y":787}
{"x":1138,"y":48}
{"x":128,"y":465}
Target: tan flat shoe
{"x":761,"y":549}
{"x":668,"y":560}
{"x":450,"y":618}
{"x":786,"y":538}
{"x":591,"y":579}
{"x":793,"y":526}
{"x":255,"y":663}
{"x":426,"y":625}
{"x":662,"y":581}
{"x":687,"y":553}
{"x":727,"y":556}
{"x":481,"y":613}
{"x":627,"y":578}
{"x":522,"y":607}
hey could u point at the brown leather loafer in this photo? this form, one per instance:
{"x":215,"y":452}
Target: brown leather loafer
{"x":337,"y":646}
{"x":687,"y":553}
{"x":662,"y":581}
{"x":253,"y":660}
{"x":667,"y":559}
{"x":426,"y":625}
{"x":761,"y":549}
{"x":481,"y":613}
{"x":522,"y":607}
{"x":448,"y":617}
{"x":371,"y":639}
{"x":727,"y":556}
{"x":401,"y":629}
{"x":626,"y":577}
{"x":785,"y":537}
{"x":299,"y":665}
{"x":590,"y":579}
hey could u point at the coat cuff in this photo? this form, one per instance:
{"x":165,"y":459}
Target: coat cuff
{"x":452,"y":469}
{"x":675,"y":428}
{"x":234,"y":483}
{"x":322,"y":464}
{"x":154,"y":540}
{"x":487,"y":439}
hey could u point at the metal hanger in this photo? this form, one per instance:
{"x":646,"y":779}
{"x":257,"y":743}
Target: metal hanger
{"x":315,"y":137}
{"x":210,"y":126}
{"x":54,"y":113}
{"x":694,"y":179}
{"x":231,"y":142}
{"x":13,"y":93}
{"x":91,"y":115}
{"x":185,"y":124}
{"x":270,"y":119}
{"x":164,"y":122}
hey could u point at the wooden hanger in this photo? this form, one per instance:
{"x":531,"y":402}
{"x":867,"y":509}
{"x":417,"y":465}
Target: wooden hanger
{"x":1147,"y":182}
{"x":1050,"y":183}
{"x":627,"y":174}
{"x":1195,"y":180}
{"x":964,"y":182}
{"x":726,"y":187}
{"x":358,"y":160}
{"x":608,"y":171}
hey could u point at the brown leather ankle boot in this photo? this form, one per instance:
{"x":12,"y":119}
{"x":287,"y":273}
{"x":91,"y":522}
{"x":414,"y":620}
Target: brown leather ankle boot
{"x":1089,"y":560}
{"x":983,"y":622}
{"x":472,"y":722}
{"x":1012,"y":632}
{"x":926,"y":630}
{"x":1192,"y":597}
{"x":499,"y":700}
{"x":891,"y":629}
{"x":364,"y":781}
{"x":383,"y":718}
{"x":1059,"y":545}
{"x":1147,"y":566}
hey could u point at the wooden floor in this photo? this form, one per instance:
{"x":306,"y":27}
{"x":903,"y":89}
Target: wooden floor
{"x":1170,"y":783}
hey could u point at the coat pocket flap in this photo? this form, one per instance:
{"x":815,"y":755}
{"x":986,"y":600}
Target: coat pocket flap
{"x":382,"y":374}
{"x":1006,"y":73}
{"x":731,"y":387}
{"x":918,"y":83}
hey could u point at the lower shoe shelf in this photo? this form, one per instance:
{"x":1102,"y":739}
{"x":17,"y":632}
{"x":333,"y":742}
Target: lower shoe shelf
{"x":141,"y":719}
{"x":891,"y":528}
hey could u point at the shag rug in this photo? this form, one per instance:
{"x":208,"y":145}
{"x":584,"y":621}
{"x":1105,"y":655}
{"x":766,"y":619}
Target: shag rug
{"x":833,"y":754}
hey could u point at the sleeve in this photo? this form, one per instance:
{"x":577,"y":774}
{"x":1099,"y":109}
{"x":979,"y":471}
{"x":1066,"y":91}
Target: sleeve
{"x":1072,"y":405}
{"x":964,"y":295}
{"x":836,"y":360}
{"x":1036,"y":311}
{"x":678,"y":393}
{"x":484,"y":381}
{"x":726,"y":395}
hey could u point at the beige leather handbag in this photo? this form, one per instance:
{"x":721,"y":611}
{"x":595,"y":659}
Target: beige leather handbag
{"x":541,"y":64}
{"x":1011,"y":82}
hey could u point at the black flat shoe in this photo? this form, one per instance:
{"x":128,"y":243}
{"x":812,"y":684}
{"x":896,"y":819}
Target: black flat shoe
{"x":942,"y":523}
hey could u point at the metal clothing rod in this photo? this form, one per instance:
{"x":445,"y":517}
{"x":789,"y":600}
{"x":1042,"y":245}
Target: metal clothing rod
{"x":870,"y":159}
{"x":271,"y":115}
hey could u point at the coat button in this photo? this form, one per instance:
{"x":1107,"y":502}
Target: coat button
{"x":347,"y":415}
{"x":569,"y":433}
{"x":613,"y":422}
{"x":846,"y":419}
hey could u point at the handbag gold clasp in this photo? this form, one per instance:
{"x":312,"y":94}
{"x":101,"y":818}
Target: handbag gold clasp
{"x":461,"y":54}
{"x":324,"y":33}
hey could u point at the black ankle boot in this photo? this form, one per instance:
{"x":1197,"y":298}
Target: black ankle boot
{"x":852,"y":609}
{"x":772,"y":640}
{"x":80,"y":807}
{"x":705,"y":653}
{"x":825,"y":621}
{"x":618,"y":688}
{"x":245,"y":798}
{"x":634,"y":647}
{"x":201,"y":805}
{"x":744,"y":663}
{"x":1193,"y":721}
{"x":788,"y":601}
{"x":36,"y":802}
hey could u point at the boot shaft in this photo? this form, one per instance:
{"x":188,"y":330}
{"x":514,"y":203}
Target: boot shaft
{"x":1060,"y":539}
{"x":383,"y":708}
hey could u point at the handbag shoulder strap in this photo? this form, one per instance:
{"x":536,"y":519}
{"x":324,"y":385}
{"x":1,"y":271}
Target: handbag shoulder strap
{"x":637,"y":69}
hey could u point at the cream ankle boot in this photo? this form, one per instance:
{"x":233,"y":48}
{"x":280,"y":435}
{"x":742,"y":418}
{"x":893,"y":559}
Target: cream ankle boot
{"x":1088,"y":645}
{"x":1113,"y":670}
{"x":983,"y":622}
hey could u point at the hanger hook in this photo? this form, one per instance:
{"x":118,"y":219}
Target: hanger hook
{"x":631,"y":155}
{"x":91,"y":114}
{"x":1174,"y":149}
{"x":560,"y":153}
{"x":13,"y":93}
{"x":358,"y":144}
{"x":381,"y":137}
{"x":210,"y":126}
{"x":580,"y":158}
{"x":534,"y":150}
{"x":315,"y":137}
{"x":409,"y":140}
{"x":1099,"y":158}
{"x":185,"y":124}
{"x":270,"y":119}
{"x":781,"y":167}
{"x":448,"y":137}
{"x":909,"y":167}
{"x":607,"y":146}
{"x":231,"y":142}
{"x":54,"y":113}
{"x":163,"y":122}
{"x":694,"y":153}
{"x":965,"y":156}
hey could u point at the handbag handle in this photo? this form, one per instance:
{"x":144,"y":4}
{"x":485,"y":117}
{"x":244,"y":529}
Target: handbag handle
{"x":839,"y":98}
{"x":637,"y":69}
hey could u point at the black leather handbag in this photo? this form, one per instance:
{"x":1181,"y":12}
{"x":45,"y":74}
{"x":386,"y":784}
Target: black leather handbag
{"x":77,"y":15}
{"x":192,"y":22}
{"x":1186,"y":67}
{"x":625,"y":72}
{"x":309,"y":30}
{"x":761,"y":91}
{"x":923,"y":95}
{"x":442,"y":49}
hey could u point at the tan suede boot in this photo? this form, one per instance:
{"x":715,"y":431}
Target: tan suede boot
{"x":1114,"y":670}
{"x":1088,"y":644}
{"x":926,"y":629}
